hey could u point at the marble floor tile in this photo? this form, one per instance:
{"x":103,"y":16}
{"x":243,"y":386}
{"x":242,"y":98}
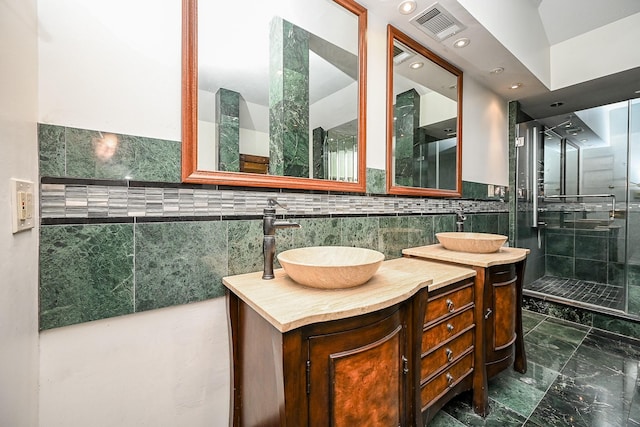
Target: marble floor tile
{"x":531,"y":319}
{"x":576,"y":376}
{"x":499,"y":415}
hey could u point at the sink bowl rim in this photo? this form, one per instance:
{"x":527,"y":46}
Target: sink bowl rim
{"x":327,"y":275}
{"x":484,"y":242}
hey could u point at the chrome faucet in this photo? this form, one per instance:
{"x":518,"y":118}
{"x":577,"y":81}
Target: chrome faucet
{"x":460,"y":219}
{"x":269,"y":226}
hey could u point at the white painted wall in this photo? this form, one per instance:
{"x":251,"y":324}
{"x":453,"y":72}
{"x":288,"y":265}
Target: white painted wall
{"x":162,"y":368}
{"x":595,"y":54}
{"x":485,"y":135}
{"x":115,"y":65}
{"x":18,"y":253}
{"x":111,"y":65}
{"x":517,"y":25}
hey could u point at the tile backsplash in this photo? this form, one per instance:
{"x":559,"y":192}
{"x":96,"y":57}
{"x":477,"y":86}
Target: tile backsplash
{"x":120,"y":234}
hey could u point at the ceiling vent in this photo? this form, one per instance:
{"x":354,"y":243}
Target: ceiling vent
{"x":401,"y":53}
{"x":437,"y":22}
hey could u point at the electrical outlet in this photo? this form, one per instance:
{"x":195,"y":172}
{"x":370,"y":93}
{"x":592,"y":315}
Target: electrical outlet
{"x":22,"y":205}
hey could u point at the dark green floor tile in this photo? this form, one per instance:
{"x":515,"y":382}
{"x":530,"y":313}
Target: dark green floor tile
{"x":521,"y":392}
{"x":569,"y":332}
{"x":179,"y":262}
{"x":499,"y":415}
{"x":531,"y":319}
{"x":442,"y":419}
{"x":571,"y":402}
{"x":86,"y":273}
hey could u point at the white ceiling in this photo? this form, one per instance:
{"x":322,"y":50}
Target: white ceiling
{"x":561,"y":19}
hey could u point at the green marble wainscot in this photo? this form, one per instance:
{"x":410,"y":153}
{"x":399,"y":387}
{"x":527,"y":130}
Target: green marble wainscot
{"x":228,"y":129}
{"x":319,"y":136}
{"x":179,"y":262}
{"x":51,"y":148}
{"x":86,"y":273}
{"x":376,"y":181}
{"x":80,"y":153}
{"x":288,"y":100}
{"x":407,"y":114}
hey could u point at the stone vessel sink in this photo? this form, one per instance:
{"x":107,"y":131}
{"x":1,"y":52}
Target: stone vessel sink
{"x":479,"y":243}
{"x":330,"y":267}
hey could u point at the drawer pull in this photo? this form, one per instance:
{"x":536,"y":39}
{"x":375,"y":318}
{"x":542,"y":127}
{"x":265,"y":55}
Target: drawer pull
{"x":450,"y":327}
{"x":450,"y":305}
{"x":449,"y":354}
{"x":449,"y":378}
{"x":488,"y":313}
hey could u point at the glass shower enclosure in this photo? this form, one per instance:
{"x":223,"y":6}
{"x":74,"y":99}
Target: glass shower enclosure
{"x":578,"y":207}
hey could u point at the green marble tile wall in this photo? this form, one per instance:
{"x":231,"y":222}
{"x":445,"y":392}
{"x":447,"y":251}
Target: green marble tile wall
{"x":288,"y":99}
{"x":109,"y":248}
{"x":407,"y":113}
{"x":228,"y":121}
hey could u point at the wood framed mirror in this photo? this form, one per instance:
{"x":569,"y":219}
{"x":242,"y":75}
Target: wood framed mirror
{"x":273,"y":94}
{"x":424,"y":120}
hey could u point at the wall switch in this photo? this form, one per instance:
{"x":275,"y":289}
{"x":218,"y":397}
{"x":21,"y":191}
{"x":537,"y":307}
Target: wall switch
{"x":22,"y":205}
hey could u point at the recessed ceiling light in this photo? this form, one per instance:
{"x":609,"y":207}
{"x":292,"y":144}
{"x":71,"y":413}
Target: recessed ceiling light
{"x":638,"y":91}
{"x":407,"y":6}
{"x":416,"y":65}
{"x":497,"y":70}
{"x":516,"y":85}
{"x":556,"y":104}
{"x":460,"y":43}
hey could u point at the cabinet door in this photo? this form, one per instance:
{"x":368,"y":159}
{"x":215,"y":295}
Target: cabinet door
{"x":357,"y":377}
{"x":501,"y":305}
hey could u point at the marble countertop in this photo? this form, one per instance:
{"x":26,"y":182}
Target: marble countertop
{"x":504,"y":255}
{"x":288,"y":305}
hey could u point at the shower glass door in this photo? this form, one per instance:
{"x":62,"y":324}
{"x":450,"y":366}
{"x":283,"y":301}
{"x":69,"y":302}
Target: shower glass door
{"x":578,"y":207}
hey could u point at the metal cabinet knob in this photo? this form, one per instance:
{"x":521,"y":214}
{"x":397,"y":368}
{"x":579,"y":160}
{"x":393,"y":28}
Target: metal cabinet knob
{"x":450,"y":379}
{"x":450,"y":305}
{"x":450,"y":327}
{"x":488,"y":313}
{"x":449,"y":354}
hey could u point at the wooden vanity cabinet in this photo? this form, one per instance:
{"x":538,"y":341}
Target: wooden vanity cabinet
{"x":502,"y":313}
{"x":446,"y":347}
{"x":349,"y":372}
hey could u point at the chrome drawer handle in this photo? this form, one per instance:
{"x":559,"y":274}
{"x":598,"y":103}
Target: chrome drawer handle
{"x":449,"y":354}
{"x":488,"y":313}
{"x":449,"y":378}
{"x":450,"y":327}
{"x":450,"y":306}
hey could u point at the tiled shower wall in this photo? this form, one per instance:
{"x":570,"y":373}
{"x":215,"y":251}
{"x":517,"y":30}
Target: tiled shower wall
{"x":120,"y":234}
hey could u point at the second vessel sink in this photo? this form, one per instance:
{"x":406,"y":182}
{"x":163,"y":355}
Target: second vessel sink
{"x":330,"y":267}
{"x":480,"y":243}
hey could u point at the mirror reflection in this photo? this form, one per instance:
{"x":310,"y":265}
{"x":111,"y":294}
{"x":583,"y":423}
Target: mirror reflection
{"x":279,"y":90}
{"x":424,"y":105}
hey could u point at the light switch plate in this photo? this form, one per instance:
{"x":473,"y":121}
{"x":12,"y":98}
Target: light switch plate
{"x":22,"y":205}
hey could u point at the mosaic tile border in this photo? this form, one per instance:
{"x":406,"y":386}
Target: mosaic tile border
{"x":74,"y":200}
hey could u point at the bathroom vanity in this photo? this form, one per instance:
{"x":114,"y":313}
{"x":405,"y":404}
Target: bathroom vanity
{"x":500,"y":340}
{"x":390,"y":352}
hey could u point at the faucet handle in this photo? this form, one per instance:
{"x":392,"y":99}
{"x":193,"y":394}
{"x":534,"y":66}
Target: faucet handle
{"x":272,"y":203}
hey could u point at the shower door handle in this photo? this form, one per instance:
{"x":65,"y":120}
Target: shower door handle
{"x":535,"y":185}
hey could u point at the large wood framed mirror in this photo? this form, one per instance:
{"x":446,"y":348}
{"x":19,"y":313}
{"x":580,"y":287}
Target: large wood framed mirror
{"x":424,"y":120}
{"x":274,"y":94}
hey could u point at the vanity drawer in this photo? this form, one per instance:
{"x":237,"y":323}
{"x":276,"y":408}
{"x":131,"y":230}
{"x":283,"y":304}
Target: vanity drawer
{"x":445,"y":354}
{"x":502,"y":273}
{"x":448,"y":378}
{"x":446,"y":329}
{"x":448,"y":303}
